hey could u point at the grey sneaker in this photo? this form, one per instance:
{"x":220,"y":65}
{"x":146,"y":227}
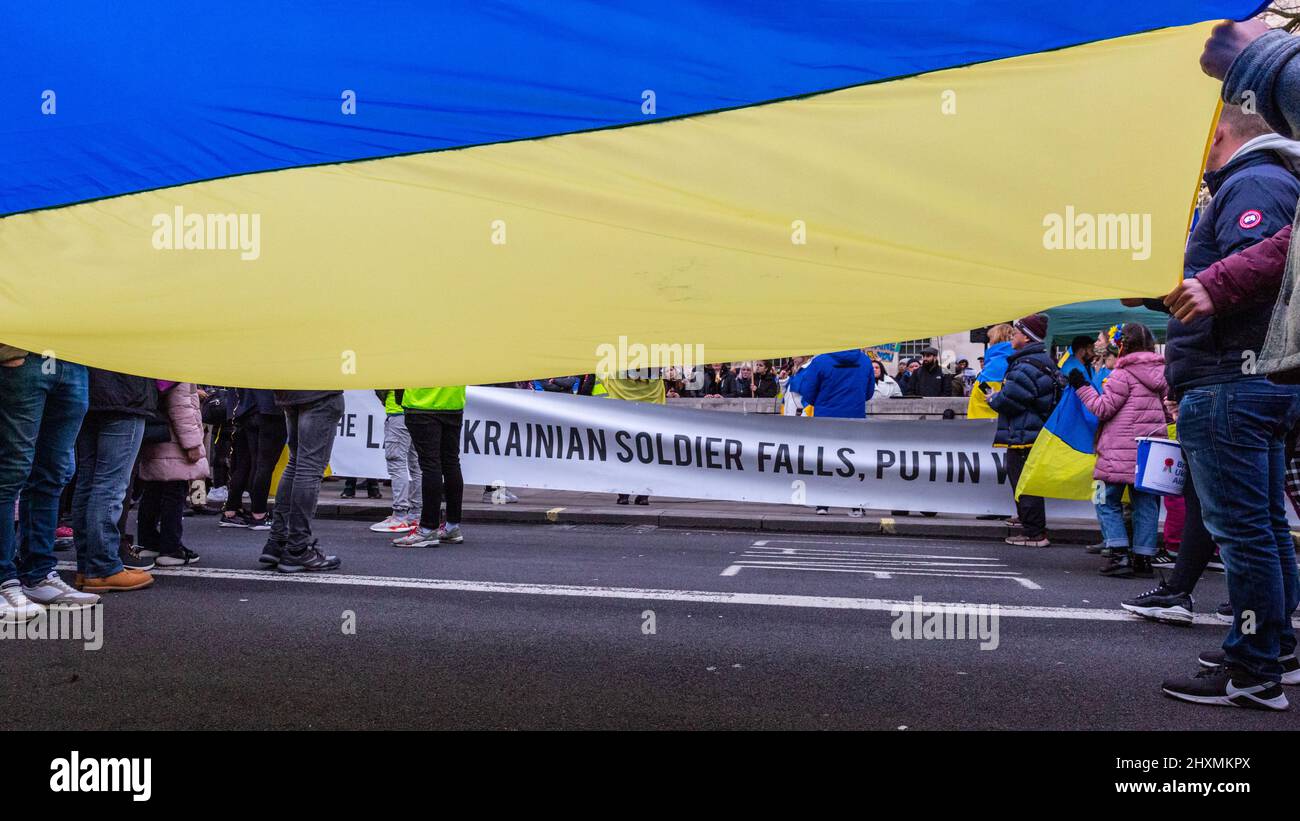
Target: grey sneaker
{"x":450,"y":534}
{"x":54,"y":590}
{"x":420,"y":537}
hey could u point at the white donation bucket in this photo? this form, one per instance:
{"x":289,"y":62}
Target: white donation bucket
{"x":1160,"y":466}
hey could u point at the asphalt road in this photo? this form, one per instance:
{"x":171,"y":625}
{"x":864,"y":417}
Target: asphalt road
{"x":536,"y":626}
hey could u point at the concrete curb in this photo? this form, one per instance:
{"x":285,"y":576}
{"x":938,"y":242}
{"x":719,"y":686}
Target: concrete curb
{"x":1072,"y":532}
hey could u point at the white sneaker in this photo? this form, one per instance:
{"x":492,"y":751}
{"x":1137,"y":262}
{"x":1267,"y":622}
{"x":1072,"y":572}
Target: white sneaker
{"x":393,"y":524}
{"x":218,"y":495}
{"x":499,"y":496}
{"x":54,"y":590}
{"x":14,"y":604}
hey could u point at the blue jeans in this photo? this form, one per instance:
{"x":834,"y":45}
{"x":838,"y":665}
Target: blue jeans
{"x":1146,"y":518}
{"x":106,"y":451}
{"x":1233,"y":435}
{"x":41,"y":405}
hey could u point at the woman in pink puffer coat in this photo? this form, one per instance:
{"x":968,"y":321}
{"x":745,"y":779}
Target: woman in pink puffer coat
{"x":166,"y":470}
{"x":1130,"y":405}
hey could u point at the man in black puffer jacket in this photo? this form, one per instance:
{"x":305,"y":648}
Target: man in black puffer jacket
{"x":1028,"y":395}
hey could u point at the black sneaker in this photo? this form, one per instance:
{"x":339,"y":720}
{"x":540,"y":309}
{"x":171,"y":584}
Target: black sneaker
{"x":641,"y":500}
{"x":373,"y":493}
{"x":1228,"y":687}
{"x":240,"y":519}
{"x":348,"y":493}
{"x":181,"y":556}
{"x":1290,"y":664}
{"x":132,"y":560}
{"x":1162,"y":604}
{"x":263,"y":523}
{"x":1162,"y":559}
{"x":309,"y":559}
{"x":622,"y":499}
{"x":1224,"y":613}
{"x":271,"y":552}
{"x":1125,"y":565}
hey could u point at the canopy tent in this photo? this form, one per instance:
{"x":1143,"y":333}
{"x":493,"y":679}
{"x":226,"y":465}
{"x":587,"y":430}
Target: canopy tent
{"x":405,"y":193}
{"x":1066,"y":322}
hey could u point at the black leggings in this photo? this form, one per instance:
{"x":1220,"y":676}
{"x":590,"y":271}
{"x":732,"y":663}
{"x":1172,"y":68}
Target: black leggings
{"x":436,"y":436}
{"x":1197,"y":547}
{"x":256,"y":447}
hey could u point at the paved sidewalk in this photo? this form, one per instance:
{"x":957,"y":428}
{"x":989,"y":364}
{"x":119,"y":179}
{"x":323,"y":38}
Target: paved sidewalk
{"x":567,"y":507}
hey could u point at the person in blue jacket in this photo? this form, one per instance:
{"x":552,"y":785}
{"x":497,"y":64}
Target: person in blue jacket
{"x":838,"y":386}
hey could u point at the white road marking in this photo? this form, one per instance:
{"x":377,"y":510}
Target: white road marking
{"x":651,"y":594}
{"x":768,"y":555}
{"x":647,"y":594}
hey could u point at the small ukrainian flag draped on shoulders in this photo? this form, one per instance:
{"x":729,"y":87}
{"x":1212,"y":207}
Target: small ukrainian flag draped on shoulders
{"x":1062,"y":460}
{"x":992,"y":374}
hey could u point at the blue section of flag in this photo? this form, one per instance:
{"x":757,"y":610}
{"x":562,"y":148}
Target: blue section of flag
{"x":103,"y":99}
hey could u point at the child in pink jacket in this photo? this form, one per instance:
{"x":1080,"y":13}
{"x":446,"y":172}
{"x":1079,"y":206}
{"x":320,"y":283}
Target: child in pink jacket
{"x":1131,"y":406}
{"x":166,"y":470}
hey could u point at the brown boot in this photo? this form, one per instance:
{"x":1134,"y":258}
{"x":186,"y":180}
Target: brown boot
{"x":123,"y":580}
{"x":79,"y":581}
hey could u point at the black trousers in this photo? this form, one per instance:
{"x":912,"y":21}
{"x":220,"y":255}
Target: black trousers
{"x":159,"y":517}
{"x":436,"y":437}
{"x":1197,"y":547}
{"x":222,"y":443}
{"x":255,"y":447}
{"x":1032,"y":510}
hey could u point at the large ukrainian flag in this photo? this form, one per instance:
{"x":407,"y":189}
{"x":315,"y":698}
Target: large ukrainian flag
{"x":428,"y":193}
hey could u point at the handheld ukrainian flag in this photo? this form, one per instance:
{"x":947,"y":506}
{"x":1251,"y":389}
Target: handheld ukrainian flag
{"x":1063,"y":457}
{"x":992,"y":374}
{"x":369,"y":182}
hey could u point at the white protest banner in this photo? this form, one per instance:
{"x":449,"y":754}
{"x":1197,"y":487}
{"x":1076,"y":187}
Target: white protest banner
{"x":563,"y":442}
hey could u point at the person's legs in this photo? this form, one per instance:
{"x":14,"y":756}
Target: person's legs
{"x":148,"y":515}
{"x":284,"y":491}
{"x":27,"y":394}
{"x":426,"y":434}
{"x":171,"y":506}
{"x":397,"y":451}
{"x":1146,"y":521}
{"x":271,"y":435}
{"x":241,"y":463}
{"x":1110,"y":513}
{"x":1032,"y":510}
{"x":117,"y":443}
{"x":65,"y":407}
{"x":1233,"y":436}
{"x":1197,"y":546}
{"x":87,"y":446}
{"x":453,"y":484}
{"x":317,"y":424}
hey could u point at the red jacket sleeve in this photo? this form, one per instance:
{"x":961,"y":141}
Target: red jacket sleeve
{"x":1250,"y":277}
